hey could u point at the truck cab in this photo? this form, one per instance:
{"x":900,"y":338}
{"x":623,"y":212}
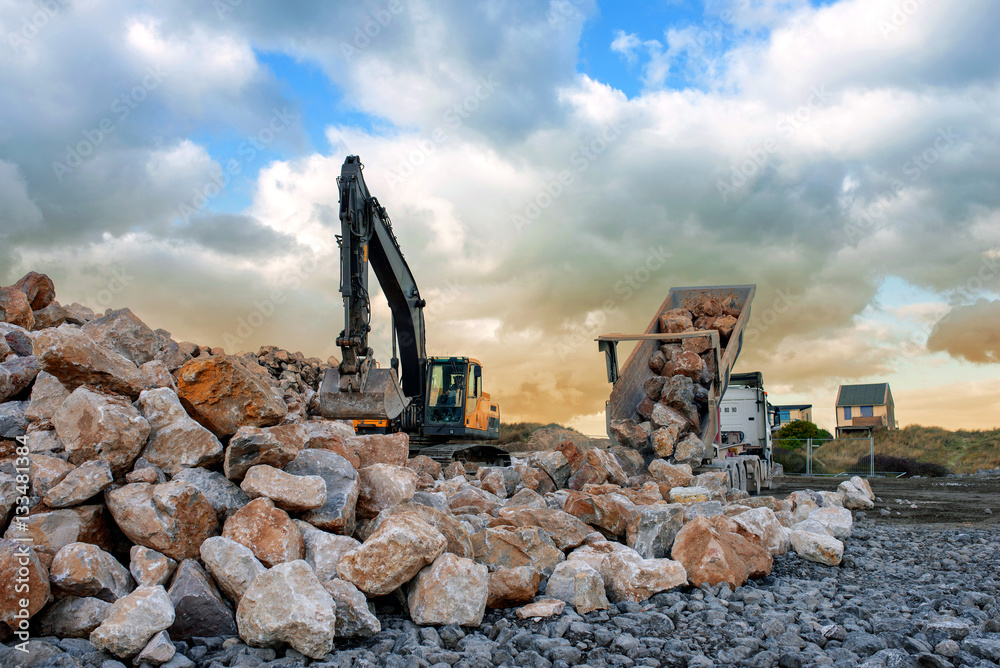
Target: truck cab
{"x":456,"y":404}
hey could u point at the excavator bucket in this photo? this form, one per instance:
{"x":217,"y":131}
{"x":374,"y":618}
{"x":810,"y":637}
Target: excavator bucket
{"x":380,"y":397}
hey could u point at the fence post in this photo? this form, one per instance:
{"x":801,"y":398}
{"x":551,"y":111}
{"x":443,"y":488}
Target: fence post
{"x":809,"y":456}
{"x":871,"y":456}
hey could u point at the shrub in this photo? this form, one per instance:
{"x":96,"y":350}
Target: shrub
{"x":910,"y":467}
{"x":794,"y":434}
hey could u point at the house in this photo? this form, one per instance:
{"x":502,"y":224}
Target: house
{"x":790,"y":413}
{"x":862,"y":409}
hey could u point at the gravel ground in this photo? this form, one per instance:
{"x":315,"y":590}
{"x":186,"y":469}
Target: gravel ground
{"x":925,"y":594}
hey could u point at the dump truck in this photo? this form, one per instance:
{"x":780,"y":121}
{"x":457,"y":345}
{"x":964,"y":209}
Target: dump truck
{"x":745,"y":417}
{"x":746,"y":469}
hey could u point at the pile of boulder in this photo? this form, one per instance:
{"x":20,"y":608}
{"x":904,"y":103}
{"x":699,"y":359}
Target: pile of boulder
{"x":151,"y":493}
{"x":670,"y":418}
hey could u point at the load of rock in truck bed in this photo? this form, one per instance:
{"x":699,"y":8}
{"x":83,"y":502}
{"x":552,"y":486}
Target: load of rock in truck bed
{"x":153,"y":491}
{"x":669,"y":421}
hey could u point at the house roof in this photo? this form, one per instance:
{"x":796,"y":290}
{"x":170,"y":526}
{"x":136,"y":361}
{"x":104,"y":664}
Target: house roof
{"x":793,"y":407}
{"x":863,"y":395}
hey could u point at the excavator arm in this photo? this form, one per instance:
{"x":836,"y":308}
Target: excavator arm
{"x":358,"y":389}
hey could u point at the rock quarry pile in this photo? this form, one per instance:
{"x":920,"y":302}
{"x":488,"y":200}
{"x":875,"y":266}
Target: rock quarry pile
{"x":154,"y":491}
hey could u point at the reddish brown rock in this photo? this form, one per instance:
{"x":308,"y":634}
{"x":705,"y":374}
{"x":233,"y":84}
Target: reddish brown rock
{"x":671,"y":475}
{"x":94,"y":425}
{"x":611,"y":513}
{"x":668,"y":416}
{"x":453,"y":470}
{"x":392,"y":555}
{"x":47,"y":395}
{"x":665,"y":439}
{"x":37,"y":288}
{"x":675,"y":321}
{"x":645,"y":408}
{"x":697,"y":344}
{"x":424,"y":464}
{"x":688,"y":364}
{"x":546,"y":607}
{"x":646,"y":494}
{"x":459,"y":542}
{"x":15,"y":309}
{"x":381,"y":449}
{"x":566,"y":531}
{"x":474,"y":501}
{"x":573,"y":454}
{"x":173,"y":518}
{"x":510,"y":547}
{"x":46,"y":472}
{"x":708,"y":555}
{"x":510,"y":587}
{"x":80,"y":484}
{"x":628,"y":434}
{"x":747,"y":544}
{"x":149,"y":567}
{"x":75,"y":359}
{"x":724,"y":325}
{"x":222,"y":395}
{"x":49,"y":532}
{"x":82,"y":569}
{"x":21,"y":560}
{"x":269,"y":532}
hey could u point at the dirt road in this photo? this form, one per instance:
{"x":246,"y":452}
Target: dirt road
{"x":960,"y":501}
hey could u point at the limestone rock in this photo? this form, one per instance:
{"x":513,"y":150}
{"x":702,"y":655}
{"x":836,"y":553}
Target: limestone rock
{"x":199,"y":609}
{"x":822,"y":549}
{"x":578,"y":584}
{"x":708,"y":556}
{"x":252,"y":446}
{"x":47,"y":395}
{"x":176,"y":441}
{"x":133,"y":620}
{"x":173,"y":518}
{"x":232,"y":565}
{"x":546,"y":607}
{"x":424,"y":464}
{"x":80,"y":484}
{"x":392,"y":555}
{"x":458,"y":537}
{"x":628,"y":434}
{"x":158,"y":651}
{"x":288,"y":604}
{"x":690,"y":494}
{"x":224,"y":497}
{"x":293,"y":493}
{"x":156,"y":375}
{"x":566,"y":531}
{"x":16,"y":375}
{"x":82,"y":569}
{"x":651,"y":534}
{"x":122,"y":332}
{"x":15,"y":308}
{"x":46,"y":472}
{"x":763,"y":523}
{"x":838,"y":521}
{"x":93,"y":425}
{"x":857,"y":494}
{"x":38,"y":289}
{"x":671,"y":475}
{"x":473,"y":500}
{"x":269,"y":532}
{"x":75,"y":359}
{"x":13,"y":556}
{"x":557,"y":466}
{"x":73,"y":617}
{"x":332,"y":435}
{"x":51,"y":531}
{"x":509,"y":587}
{"x":381,"y":448}
{"x":325,"y":550}
{"x":451,"y":590}
{"x":510,"y":547}
{"x":149,"y":567}
{"x":382,"y":486}
{"x":689,"y":450}
{"x":629,"y":577}
{"x":337,"y":514}
{"x":354,"y":618}
{"x":223,"y":396}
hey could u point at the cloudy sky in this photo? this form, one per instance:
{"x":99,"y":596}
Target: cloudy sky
{"x":552,"y":168}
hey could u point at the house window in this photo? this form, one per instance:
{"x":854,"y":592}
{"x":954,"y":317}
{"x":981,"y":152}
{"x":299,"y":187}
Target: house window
{"x":847,"y":412}
{"x":866,"y":411}
{"x":784,"y":416}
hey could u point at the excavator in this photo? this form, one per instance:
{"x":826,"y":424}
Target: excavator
{"x":439,"y":401}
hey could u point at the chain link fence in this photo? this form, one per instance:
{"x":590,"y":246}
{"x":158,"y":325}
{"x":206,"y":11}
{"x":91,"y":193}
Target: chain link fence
{"x":834,"y":457}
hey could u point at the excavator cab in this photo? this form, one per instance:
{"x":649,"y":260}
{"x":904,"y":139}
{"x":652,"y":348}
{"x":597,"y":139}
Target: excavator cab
{"x":456,"y":403}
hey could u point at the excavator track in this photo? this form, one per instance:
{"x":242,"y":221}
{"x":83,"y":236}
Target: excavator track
{"x":466,"y":453}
